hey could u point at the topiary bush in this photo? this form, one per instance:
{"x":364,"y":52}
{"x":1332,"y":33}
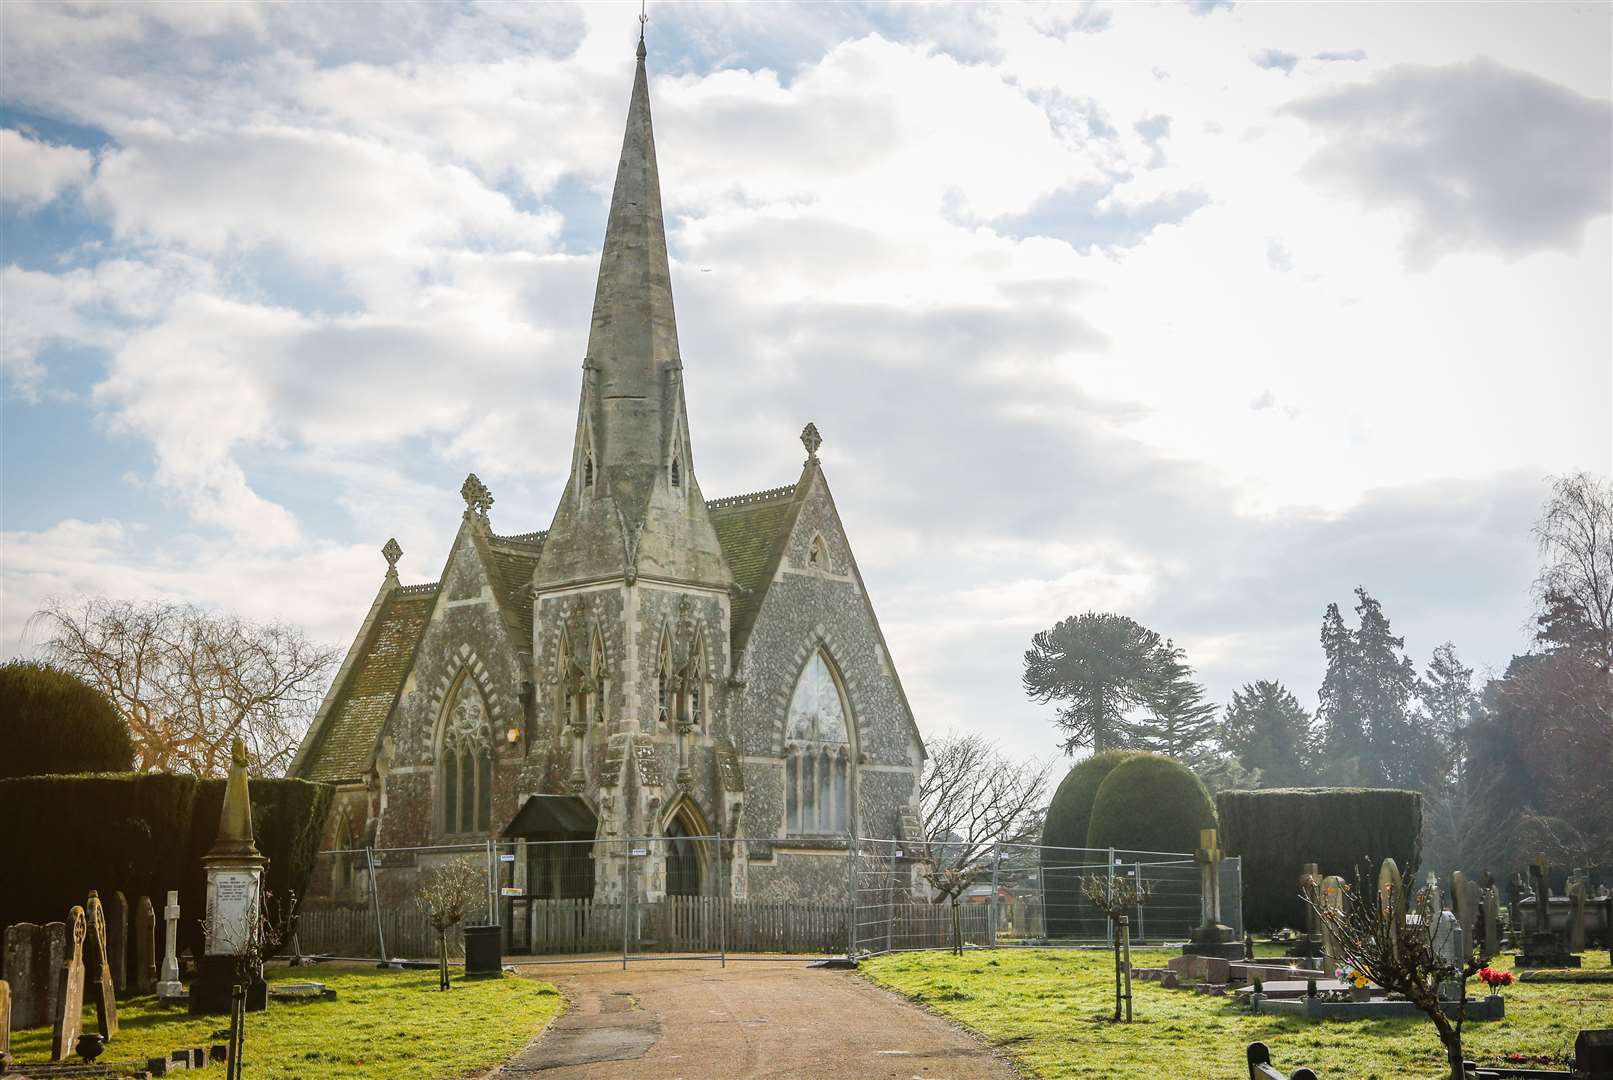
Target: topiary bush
{"x":1068,"y":913}
{"x":1341,"y":830}
{"x":51,"y":721}
{"x":1150,"y":802}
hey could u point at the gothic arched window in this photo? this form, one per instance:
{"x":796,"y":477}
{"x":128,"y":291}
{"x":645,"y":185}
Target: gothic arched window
{"x":465,"y":764}
{"x":677,"y":473}
{"x":817,"y":761}
{"x":663,"y":683}
{"x":696,"y":693}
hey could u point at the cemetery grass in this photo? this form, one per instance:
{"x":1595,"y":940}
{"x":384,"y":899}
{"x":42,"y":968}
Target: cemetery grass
{"x":1049,"y":1010}
{"x":382,"y":1025}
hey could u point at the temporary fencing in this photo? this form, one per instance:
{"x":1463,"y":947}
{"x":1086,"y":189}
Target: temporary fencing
{"x":656,"y":898}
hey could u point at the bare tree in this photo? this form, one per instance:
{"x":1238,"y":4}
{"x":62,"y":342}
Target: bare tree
{"x":1375,"y":937}
{"x":975,"y":796}
{"x":446,"y":895}
{"x":1115,"y":896}
{"x":1575,"y":533}
{"x":188,"y":681}
{"x":951,"y":884}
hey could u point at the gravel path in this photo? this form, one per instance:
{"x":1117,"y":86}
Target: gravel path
{"x":697,"y":1021}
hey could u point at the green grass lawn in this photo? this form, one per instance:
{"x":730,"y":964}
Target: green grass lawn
{"x":382,"y":1025}
{"x":1049,"y":1011}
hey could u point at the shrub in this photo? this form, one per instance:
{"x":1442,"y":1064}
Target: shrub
{"x":51,"y":721}
{"x":1341,"y":830}
{"x":1068,"y":912}
{"x":143,"y":834}
{"x":1150,"y":802}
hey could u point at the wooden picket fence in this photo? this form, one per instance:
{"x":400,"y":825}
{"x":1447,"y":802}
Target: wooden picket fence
{"x":679,"y":924}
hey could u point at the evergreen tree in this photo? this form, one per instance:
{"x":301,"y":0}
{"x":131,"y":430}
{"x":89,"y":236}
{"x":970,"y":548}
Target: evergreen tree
{"x":1385,"y":680}
{"x":1338,"y":711}
{"x":1180,"y":723}
{"x":1101,"y":666}
{"x":1451,"y":702}
{"x":1266,"y":730}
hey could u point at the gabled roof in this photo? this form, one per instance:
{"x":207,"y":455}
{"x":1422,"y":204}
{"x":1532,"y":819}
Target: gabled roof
{"x":349,"y":733}
{"x":513,"y":560}
{"x":752,"y":530}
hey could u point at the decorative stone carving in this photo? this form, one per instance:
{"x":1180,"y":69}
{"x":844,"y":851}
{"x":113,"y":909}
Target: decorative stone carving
{"x":478,"y":499}
{"x":391,"y":552}
{"x":106,"y":994}
{"x":69,"y":1015}
{"x":811,"y":440}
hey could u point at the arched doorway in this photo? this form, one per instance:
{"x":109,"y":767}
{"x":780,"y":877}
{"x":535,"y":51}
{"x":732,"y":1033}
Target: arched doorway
{"x":683,"y":858}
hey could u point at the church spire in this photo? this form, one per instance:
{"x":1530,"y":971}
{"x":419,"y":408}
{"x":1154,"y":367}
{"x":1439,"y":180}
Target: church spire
{"x":632,"y":500}
{"x":634,"y":330}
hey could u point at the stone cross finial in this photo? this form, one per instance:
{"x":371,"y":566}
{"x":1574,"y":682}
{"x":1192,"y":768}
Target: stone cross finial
{"x":478,"y":500}
{"x":391,"y":552}
{"x":811,"y":440}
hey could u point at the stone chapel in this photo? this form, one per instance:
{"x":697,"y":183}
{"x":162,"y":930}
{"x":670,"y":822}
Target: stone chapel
{"x":654,"y":665}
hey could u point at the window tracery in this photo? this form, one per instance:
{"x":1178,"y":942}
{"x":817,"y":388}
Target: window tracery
{"x":817,"y":763}
{"x":465,"y":763}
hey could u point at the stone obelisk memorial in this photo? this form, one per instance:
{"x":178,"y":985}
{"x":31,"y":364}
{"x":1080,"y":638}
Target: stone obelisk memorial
{"x":235,"y":870}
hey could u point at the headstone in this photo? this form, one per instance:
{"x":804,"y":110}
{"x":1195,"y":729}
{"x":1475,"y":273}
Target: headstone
{"x":106,"y":994}
{"x":1541,"y":947}
{"x":1492,"y":925}
{"x":117,"y":939}
{"x":1332,"y":899}
{"x":234,"y":902}
{"x":1392,"y":902}
{"x":55,"y":956}
{"x":145,"y":946}
{"x":5,"y":1025}
{"x":1310,"y":882}
{"x":1576,"y":915}
{"x":1540,"y":875}
{"x":70,"y":993}
{"x":1450,"y":945}
{"x":1593,"y":1052}
{"x":25,"y":970}
{"x":169,"y":987}
{"x":1211,"y":937}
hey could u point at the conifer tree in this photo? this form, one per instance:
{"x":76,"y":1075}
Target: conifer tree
{"x":1338,"y":712}
{"x":1100,"y":666}
{"x":1180,"y":722}
{"x":1265,"y":729}
{"x":1385,"y":679}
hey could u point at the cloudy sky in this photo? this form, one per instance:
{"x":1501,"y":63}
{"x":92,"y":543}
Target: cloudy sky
{"x":1203,"y":313}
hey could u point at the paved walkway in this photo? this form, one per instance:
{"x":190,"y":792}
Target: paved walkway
{"x":697,"y":1021}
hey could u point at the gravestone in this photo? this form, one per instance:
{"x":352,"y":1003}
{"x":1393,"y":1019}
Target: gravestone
{"x":1211,"y":937}
{"x":169,"y":988}
{"x":117,"y":939}
{"x":1515,"y":907}
{"x":106,"y":994}
{"x":1450,"y":945}
{"x":5,"y":1025}
{"x":1541,"y":947}
{"x":53,"y":957}
{"x":1332,"y":899}
{"x":1492,"y":925}
{"x":145,"y":946}
{"x":25,"y":971}
{"x":234,"y":903}
{"x":1392,"y":903}
{"x":1576,"y":914}
{"x":70,"y":996}
{"x":1310,"y":946}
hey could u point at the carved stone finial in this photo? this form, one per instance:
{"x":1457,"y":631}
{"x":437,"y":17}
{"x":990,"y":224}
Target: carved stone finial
{"x":391,"y":552}
{"x":811,"y":440}
{"x":478,"y":500}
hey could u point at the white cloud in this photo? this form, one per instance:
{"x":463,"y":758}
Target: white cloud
{"x":34,"y":172}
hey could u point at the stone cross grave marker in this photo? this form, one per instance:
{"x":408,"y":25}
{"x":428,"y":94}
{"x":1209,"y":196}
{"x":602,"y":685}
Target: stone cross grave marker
{"x":70,"y":997}
{"x":117,"y":939}
{"x":1209,"y":858}
{"x":1332,"y":899}
{"x":1540,"y":874}
{"x":1392,"y":902}
{"x":1310,"y":881}
{"x":145,"y":946}
{"x":168,"y":986}
{"x":106,"y":995}
{"x":1576,"y":915}
{"x":1492,"y":924}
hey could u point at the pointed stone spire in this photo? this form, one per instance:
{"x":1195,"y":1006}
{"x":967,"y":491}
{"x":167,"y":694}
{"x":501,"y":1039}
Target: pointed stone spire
{"x":235,"y":838}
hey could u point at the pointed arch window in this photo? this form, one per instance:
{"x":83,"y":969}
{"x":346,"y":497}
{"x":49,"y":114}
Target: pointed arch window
{"x":677,"y":471}
{"x":596,"y":672}
{"x":465,"y":764}
{"x":695,"y":692}
{"x":663,"y":683}
{"x":588,"y":470}
{"x":817,"y":762}
{"x":816,"y":556}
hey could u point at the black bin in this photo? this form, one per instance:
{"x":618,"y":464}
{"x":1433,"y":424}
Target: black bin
{"x":484,"y":951}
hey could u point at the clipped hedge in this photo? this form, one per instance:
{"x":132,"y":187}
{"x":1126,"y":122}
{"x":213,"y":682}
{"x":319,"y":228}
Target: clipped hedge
{"x":53,"y":722}
{"x":1342,"y":830}
{"x":1150,"y":802}
{"x":142,"y":833}
{"x":1065,"y":826}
